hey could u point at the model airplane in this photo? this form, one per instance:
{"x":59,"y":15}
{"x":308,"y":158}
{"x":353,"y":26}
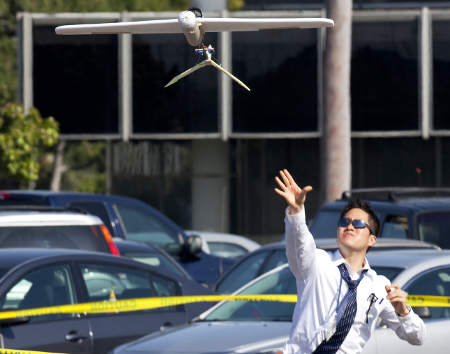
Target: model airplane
{"x":194,"y":26}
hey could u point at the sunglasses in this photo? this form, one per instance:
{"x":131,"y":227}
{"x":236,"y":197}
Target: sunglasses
{"x":357,"y":224}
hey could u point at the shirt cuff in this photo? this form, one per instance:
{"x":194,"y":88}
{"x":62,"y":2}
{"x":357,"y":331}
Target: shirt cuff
{"x":408,"y":316}
{"x":296,"y":218}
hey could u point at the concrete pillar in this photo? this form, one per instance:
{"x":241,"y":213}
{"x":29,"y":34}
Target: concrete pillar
{"x":336,"y":137}
{"x":210,"y":185}
{"x":209,"y":5}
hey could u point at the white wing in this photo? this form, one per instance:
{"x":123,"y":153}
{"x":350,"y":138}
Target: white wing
{"x":138,"y":27}
{"x":257,"y":24}
{"x":209,"y":25}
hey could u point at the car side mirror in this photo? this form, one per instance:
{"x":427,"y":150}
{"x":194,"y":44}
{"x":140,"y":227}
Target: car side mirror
{"x":422,"y":311}
{"x":194,"y":243}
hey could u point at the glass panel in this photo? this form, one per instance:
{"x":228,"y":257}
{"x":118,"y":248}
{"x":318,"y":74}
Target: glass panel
{"x":189,"y":105}
{"x":98,"y":209}
{"x":441,"y":75}
{"x":225,"y":249}
{"x":395,"y":226}
{"x":145,"y":227}
{"x":434,"y":227}
{"x":277,"y":259}
{"x":82,"y":237}
{"x":388,"y":272}
{"x":76,"y":80}
{"x":325,"y":224}
{"x":246,"y":271}
{"x":282,"y":282}
{"x":50,"y":286}
{"x":384,"y":76}
{"x":111,"y":283}
{"x":436,"y":283}
{"x":280,"y":68}
{"x":153,"y":259}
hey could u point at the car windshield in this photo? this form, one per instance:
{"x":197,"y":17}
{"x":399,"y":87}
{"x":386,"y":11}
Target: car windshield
{"x":281,"y":282}
{"x":434,"y":227}
{"x":154,"y":259}
{"x":82,"y":237}
{"x":388,"y":272}
{"x":325,"y":224}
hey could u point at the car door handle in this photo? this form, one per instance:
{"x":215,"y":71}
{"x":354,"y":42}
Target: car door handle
{"x":74,"y":336}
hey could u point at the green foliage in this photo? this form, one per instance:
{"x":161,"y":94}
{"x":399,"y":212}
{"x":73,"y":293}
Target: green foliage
{"x":235,"y":5}
{"x":23,"y":136}
{"x":8,"y":69}
{"x":87,"y":167}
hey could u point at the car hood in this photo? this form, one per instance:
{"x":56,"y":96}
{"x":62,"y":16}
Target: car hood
{"x":213,"y":337}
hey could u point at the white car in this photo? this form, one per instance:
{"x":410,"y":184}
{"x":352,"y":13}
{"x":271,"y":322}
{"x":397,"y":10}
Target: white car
{"x":53,"y":227}
{"x":244,"y":327}
{"x":225,"y":245}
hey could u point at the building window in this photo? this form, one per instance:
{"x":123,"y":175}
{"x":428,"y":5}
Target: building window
{"x":189,"y":105}
{"x":441,"y":75}
{"x":76,"y":80}
{"x":384,"y":76}
{"x":280,"y":68}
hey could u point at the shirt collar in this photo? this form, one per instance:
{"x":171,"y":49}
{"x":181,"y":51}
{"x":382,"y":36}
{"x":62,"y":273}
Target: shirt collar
{"x":337,"y":260}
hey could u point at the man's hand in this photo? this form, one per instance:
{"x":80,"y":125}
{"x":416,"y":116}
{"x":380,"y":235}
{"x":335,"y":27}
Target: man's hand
{"x":397,"y":297}
{"x":294,"y":195}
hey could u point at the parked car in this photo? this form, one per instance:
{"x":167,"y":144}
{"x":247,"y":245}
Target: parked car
{"x":406,"y":213}
{"x":225,"y":245}
{"x":33,"y":278}
{"x":53,"y":227}
{"x":132,"y":219}
{"x":273,"y":255}
{"x":263,"y":327}
{"x":152,"y":255}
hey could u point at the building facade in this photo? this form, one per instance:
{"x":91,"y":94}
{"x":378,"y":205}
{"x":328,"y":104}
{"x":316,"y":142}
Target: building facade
{"x":205,"y":151}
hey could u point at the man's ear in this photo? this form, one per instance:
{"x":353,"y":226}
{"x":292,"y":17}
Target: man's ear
{"x":372,"y":240}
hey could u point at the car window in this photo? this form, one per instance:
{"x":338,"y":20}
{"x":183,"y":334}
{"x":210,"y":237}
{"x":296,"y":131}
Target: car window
{"x":111,"y":283}
{"x":395,"y":226}
{"x":276,"y":259}
{"x":244,"y":272}
{"x":434,"y":227}
{"x":51,"y":286}
{"x":153,"y":259}
{"x":226,"y":249}
{"x":325,"y":224}
{"x":282,"y":282}
{"x":146,"y":227}
{"x":82,"y":237}
{"x":435,"y":283}
{"x":388,"y":272}
{"x":98,"y":209}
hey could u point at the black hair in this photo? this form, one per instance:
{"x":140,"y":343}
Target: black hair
{"x":356,"y":203}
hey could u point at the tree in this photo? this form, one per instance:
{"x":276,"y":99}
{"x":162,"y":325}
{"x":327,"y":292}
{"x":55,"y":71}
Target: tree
{"x":23,"y":138}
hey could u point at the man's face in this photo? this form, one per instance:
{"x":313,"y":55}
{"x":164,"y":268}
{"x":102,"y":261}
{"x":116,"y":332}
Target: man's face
{"x":351,"y":239}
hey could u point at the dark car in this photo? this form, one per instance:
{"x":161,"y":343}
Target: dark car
{"x":273,"y":255}
{"x":148,"y":254}
{"x":131,"y":219}
{"x":33,"y":278}
{"x":405,"y":213}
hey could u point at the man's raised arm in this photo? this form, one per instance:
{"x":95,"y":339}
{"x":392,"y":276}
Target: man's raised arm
{"x":300,"y":246}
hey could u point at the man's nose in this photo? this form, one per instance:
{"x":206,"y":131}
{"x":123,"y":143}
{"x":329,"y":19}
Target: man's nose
{"x":350,"y":226}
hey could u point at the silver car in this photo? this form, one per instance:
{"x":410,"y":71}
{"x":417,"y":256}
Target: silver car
{"x":263,"y":327}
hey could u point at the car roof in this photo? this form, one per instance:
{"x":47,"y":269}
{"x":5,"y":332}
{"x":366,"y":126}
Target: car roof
{"x":11,"y":257}
{"x":218,"y":236}
{"x":407,"y":258}
{"x":45,"y":218}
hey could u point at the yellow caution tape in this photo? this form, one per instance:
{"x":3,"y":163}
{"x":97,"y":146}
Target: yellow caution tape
{"x":14,"y":351}
{"x":152,"y":303}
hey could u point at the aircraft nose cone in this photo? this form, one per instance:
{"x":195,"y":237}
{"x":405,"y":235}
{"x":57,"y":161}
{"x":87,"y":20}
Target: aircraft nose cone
{"x":186,"y":19}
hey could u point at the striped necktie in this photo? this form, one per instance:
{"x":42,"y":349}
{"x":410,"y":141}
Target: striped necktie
{"x":345,"y":323}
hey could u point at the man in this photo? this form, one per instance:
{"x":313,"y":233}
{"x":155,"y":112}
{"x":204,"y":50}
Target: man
{"x":339,"y":295}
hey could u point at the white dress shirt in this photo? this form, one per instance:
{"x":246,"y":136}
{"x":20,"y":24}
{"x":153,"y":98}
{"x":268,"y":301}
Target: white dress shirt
{"x":318,"y":281}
